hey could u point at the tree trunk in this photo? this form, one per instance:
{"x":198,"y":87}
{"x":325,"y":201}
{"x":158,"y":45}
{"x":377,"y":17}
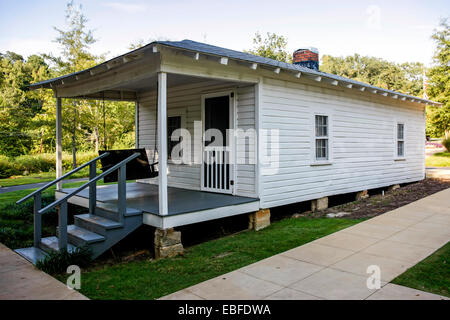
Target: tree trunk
{"x":42,"y":141}
{"x":74,"y":127}
{"x":96,"y":136}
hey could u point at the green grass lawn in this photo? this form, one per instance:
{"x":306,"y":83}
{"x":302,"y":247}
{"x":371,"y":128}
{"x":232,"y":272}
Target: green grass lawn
{"x":150,"y":279}
{"x":431,"y":275}
{"x":40,"y":177}
{"x":440,"y":159}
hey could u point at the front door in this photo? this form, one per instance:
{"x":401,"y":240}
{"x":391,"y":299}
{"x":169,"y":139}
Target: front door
{"x":217,"y":164}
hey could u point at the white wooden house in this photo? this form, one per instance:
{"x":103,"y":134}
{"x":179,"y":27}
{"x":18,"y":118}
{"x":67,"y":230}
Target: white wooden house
{"x":316,"y":135}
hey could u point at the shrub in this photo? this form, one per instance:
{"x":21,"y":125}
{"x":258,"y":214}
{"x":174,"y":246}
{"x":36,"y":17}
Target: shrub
{"x":35,"y":163}
{"x":27,"y":164}
{"x":8,"y":168}
{"x":56,"y":262}
{"x":446,"y":144}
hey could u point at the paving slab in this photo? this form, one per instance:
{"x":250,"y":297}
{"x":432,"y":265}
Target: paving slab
{"x":291,"y":294}
{"x":359,"y":262}
{"x":281,"y":270}
{"x":181,"y":295}
{"x":395,"y":292}
{"x":20,"y":280}
{"x":373,"y":230}
{"x":318,"y":254}
{"x":399,"y":251}
{"x":347,"y":241}
{"x":332,"y":284}
{"x":235,"y":285}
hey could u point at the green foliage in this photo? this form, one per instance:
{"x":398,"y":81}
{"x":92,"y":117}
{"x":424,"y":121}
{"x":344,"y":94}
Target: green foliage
{"x":272,"y":46}
{"x":438,"y":88}
{"x":27,"y":164}
{"x":440,"y":159}
{"x":406,"y":77}
{"x":7,"y":168}
{"x":16,"y":220}
{"x":27,"y":118}
{"x":57,"y":262}
{"x":446,"y":143}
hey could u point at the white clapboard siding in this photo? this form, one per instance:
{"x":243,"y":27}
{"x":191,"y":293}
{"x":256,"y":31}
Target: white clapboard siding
{"x":362,"y":145}
{"x":187,"y":99}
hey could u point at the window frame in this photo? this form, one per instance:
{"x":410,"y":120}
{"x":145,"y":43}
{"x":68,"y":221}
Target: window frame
{"x":397,"y":140}
{"x":176,"y":112}
{"x":315,"y":138}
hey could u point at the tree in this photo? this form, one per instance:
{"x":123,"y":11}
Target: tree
{"x":18,"y":106}
{"x":405,"y":77}
{"x":273,"y":47}
{"x":439,"y":81}
{"x":75,"y":42}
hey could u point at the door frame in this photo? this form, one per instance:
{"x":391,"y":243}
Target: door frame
{"x":233,"y":123}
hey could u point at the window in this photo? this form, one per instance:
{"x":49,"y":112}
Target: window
{"x":400,"y":140}
{"x":321,"y":137}
{"x":173,"y":123}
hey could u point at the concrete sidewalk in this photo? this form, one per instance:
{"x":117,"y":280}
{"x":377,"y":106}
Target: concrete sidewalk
{"x":334,"y":267}
{"x":20,"y":280}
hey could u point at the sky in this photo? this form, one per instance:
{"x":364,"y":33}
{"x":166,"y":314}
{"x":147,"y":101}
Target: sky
{"x":395,"y":30}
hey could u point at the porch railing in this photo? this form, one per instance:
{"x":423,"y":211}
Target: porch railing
{"x":37,"y":194}
{"x":62,"y":202}
{"x":217,"y":170}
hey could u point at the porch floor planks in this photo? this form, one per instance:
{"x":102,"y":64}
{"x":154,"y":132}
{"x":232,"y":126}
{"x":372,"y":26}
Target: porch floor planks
{"x":144,"y":197}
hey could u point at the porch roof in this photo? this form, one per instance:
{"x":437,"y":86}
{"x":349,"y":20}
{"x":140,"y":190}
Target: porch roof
{"x":197,"y":48}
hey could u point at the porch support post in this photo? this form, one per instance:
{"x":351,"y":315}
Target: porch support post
{"x":58,"y":141}
{"x":136,"y":123}
{"x":162,"y":142}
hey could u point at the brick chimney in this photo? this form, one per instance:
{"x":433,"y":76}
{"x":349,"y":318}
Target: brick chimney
{"x":308,"y":58}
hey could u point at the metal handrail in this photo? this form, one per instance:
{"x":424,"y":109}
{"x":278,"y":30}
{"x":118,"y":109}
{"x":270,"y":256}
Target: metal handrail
{"x":61,"y":178}
{"x":87,"y":184}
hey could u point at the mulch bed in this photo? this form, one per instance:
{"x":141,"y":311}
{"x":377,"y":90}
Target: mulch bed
{"x":378,"y":204}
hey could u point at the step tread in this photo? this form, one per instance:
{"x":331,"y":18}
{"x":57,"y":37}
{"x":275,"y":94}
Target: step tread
{"x":101,"y":221}
{"x":52,"y":243}
{"x":84,"y":234}
{"x":32,"y":254}
{"x":113,"y":208}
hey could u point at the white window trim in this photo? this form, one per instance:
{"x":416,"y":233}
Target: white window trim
{"x":314,"y":161}
{"x":396,"y":140}
{"x":177,"y":112}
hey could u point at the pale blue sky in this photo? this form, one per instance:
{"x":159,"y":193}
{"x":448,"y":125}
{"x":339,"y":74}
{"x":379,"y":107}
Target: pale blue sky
{"x":396,"y":30}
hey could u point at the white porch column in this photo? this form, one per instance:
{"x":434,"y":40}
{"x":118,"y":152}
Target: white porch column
{"x":58,"y":141}
{"x":162,"y":142}
{"x":136,"y":124}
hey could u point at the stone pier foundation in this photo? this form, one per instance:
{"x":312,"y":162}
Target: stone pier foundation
{"x":319,"y":204}
{"x":259,"y":220}
{"x":167,"y":243}
{"x":362,"y":195}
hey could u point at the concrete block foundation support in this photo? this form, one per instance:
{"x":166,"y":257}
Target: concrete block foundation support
{"x":394,"y":187}
{"x":167,"y":243}
{"x":319,"y":204}
{"x":259,"y":220}
{"x":362,"y":195}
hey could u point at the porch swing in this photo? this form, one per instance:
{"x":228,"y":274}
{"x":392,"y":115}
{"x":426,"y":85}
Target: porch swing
{"x":139,"y":168}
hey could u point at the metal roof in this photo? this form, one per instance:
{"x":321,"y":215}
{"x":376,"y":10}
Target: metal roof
{"x":207,"y":49}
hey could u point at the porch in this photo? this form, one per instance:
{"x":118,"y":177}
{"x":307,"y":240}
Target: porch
{"x":184,"y":206}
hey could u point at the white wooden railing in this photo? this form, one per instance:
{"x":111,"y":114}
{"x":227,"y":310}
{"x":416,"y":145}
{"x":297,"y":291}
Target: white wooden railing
{"x":217,"y":170}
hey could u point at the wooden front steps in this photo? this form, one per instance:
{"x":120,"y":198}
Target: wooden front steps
{"x":99,"y":232}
